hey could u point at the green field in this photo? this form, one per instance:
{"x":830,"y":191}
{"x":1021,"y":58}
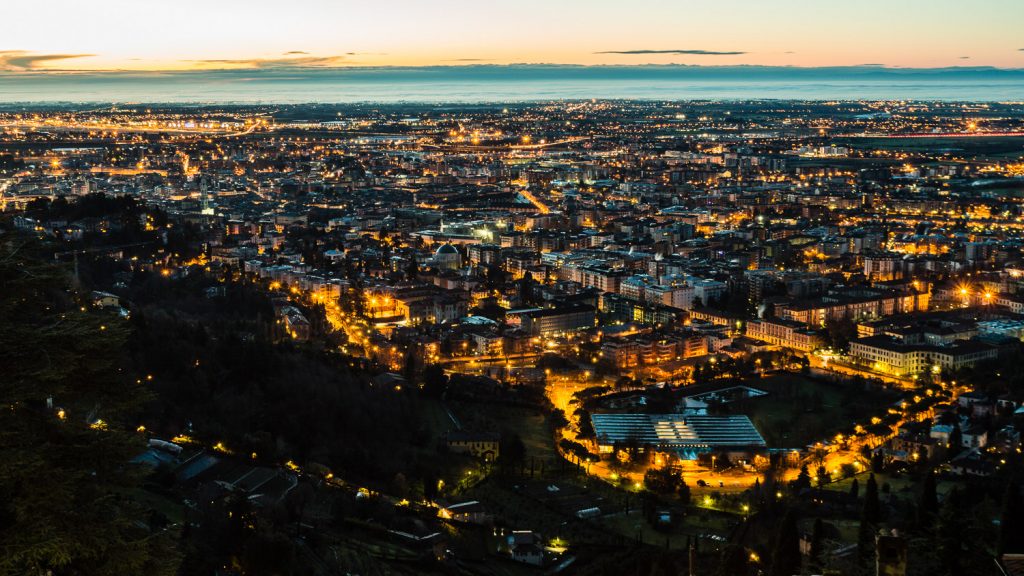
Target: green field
{"x":799,"y":410}
{"x":979,"y":146}
{"x":527,"y":422}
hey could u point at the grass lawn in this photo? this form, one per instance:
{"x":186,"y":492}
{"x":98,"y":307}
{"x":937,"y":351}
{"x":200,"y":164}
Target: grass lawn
{"x":902,"y":485}
{"x":527,"y":422}
{"x":697,"y":522}
{"x":799,"y":410}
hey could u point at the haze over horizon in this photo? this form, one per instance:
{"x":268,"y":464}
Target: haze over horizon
{"x":509,"y":83}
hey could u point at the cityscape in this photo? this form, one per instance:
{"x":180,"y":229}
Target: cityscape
{"x":542,"y":334}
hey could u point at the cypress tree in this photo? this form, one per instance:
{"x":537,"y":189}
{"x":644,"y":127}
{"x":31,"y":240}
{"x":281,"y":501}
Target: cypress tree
{"x":951,"y":529}
{"x":786,"y":549}
{"x":817,"y":543}
{"x":872,"y":509}
{"x":865,"y":542}
{"x":803,"y":480}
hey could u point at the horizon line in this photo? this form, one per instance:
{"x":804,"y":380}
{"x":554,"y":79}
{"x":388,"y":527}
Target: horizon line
{"x":467,"y":65}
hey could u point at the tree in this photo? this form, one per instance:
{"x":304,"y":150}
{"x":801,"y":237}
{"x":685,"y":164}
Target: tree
{"x":496,"y":277}
{"x":435,"y":381}
{"x":557,"y":419}
{"x":870,"y":516}
{"x":786,"y":547}
{"x":684,"y":493}
{"x":854,"y":490}
{"x":585,"y":425}
{"x":865,"y":542}
{"x":1011,"y":521}
{"x":839,"y":332}
{"x":430,"y":482}
{"x":399,"y":485}
{"x":412,"y":270}
{"x":951,"y":530}
{"x":817,"y":543}
{"x":734,"y":561}
{"x":928,"y":503}
{"x":511,"y":449}
{"x":824,"y":477}
{"x":65,"y":432}
{"x":803,"y":480}
{"x":872,"y":509}
{"x":409,"y":366}
{"x":922,"y":457}
{"x":662,"y":480}
{"x":269,"y":553}
{"x":877,"y":461}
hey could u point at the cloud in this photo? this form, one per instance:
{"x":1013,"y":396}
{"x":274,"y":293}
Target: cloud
{"x":277,"y":63}
{"x":468,"y":60}
{"x":689,"y":52}
{"x":24,"y":60}
{"x":295,"y":52}
{"x":965,"y":57}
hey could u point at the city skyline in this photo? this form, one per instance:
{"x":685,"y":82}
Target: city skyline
{"x":480,"y":288}
{"x":317,"y":34}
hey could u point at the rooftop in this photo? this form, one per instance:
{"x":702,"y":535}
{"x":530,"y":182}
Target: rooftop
{"x":677,"y":431}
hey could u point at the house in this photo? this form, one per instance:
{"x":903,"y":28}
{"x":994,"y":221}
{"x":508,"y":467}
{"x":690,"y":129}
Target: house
{"x":478,"y":444}
{"x":941,"y":432}
{"x":1011,"y":564}
{"x":915,"y":440}
{"x":470,"y":511}
{"x":890,"y":355}
{"x":975,"y":437}
{"x":559,"y":320}
{"x":389,"y":380}
{"x":295,"y":323}
{"x":334,"y":255}
{"x":526,"y":547}
{"x":1008,"y":438}
{"x":981,"y":409}
{"x":971,"y":463}
{"x":105,"y":300}
{"x":1006,"y":404}
{"x":968,"y":399}
{"x":890,"y":555}
{"x":786,"y":333}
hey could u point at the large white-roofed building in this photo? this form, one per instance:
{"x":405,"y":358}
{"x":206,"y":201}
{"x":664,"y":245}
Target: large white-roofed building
{"x":684,"y":434}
